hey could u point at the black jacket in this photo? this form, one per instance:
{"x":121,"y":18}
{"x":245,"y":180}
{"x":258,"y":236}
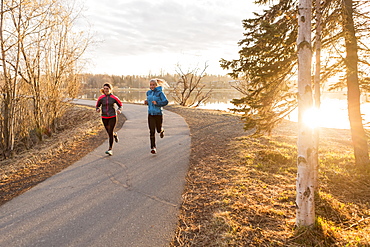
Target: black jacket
{"x":106,"y":102}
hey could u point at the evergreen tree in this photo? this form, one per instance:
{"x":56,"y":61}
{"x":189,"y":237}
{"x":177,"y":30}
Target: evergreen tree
{"x":268,"y":61}
{"x":266,"y":66}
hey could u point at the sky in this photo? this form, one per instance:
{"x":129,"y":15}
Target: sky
{"x":141,"y":37}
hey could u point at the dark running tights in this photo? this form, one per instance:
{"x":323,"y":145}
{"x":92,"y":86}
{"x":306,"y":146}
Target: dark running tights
{"x":155,"y":123}
{"x":109,"y":124}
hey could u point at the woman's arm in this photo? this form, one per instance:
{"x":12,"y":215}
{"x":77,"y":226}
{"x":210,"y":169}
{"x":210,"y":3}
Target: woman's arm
{"x":163,"y":100}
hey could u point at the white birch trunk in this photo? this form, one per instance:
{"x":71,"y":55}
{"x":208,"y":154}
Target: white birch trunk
{"x":306,"y":149}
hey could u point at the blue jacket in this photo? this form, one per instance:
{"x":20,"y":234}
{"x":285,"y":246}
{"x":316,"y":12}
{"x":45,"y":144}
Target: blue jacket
{"x":158,"y":96}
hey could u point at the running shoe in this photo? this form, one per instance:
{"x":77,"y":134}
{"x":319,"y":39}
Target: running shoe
{"x":109,"y":152}
{"x":161,"y":134}
{"x":153,"y":151}
{"x":116,"y":137}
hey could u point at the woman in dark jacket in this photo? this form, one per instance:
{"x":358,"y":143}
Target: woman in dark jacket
{"x":155,"y":99}
{"x":105,"y":104}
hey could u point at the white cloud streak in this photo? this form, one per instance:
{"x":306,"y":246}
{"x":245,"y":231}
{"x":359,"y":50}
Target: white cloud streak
{"x":141,"y":36}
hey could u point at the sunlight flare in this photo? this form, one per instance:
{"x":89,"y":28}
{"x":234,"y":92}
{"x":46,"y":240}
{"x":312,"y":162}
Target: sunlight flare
{"x":333,"y":113}
{"x":312,"y":117}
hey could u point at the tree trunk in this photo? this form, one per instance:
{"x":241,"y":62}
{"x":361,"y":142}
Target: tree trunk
{"x":317,"y":88}
{"x":306,"y":149}
{"x":8,"y":130}
{"x":359,"y":138}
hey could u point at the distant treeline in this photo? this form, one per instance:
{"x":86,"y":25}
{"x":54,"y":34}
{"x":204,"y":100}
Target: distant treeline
{"x":135,"y":81}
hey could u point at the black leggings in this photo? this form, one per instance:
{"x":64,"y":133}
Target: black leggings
{"x":109,"y":124}
{"x":154,"y":122}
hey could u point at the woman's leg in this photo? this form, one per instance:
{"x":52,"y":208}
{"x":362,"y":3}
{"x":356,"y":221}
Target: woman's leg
{"x":158,"y":123}
{"x":109,"y":124}
{"x":152,"y":124}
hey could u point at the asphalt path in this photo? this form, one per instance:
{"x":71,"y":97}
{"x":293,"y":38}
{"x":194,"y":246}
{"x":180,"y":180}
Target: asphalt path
{"x":129,"y":199}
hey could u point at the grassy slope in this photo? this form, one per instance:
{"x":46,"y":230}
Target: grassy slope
{"x":246,"y":196}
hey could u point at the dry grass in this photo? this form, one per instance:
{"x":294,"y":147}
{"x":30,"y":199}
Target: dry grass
{"x":243,"y":194}
{"x":240,"y":190}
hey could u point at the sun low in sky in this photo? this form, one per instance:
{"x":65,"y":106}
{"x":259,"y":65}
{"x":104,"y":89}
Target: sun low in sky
{"x":333,"y":113}
{"x":138,"y":37}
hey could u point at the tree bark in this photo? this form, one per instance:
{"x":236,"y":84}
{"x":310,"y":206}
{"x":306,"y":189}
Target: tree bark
{"x":306,"y":149}
{"x":9,"y":93}
{"x":317,"y":83}
{"x":359,"y":138}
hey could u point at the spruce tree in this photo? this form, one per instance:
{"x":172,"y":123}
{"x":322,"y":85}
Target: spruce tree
{"x":268,"y":58}
{"x":266,"y":66}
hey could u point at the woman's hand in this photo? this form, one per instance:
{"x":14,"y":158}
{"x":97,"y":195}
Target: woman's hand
{"x":119,"y":111}
{"x":98,"y":110}
{"x":145,"y":102}
{"x":154,"y":102}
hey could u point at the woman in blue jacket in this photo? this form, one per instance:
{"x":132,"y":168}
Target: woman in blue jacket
{"x":155,"y":99}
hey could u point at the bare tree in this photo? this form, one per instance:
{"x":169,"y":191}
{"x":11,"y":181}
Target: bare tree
{"x":9,"y":41}
{"x":40,"y":53}
{"x":63,"y":50}
{"x":189,"y":90}
{"x":50,"y":53}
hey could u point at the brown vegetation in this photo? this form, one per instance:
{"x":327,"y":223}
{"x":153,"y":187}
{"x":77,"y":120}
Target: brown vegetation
{"x":240,"y":189}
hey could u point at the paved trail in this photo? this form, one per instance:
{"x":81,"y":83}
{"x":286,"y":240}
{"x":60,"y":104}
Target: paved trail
{"x":129,"y":199}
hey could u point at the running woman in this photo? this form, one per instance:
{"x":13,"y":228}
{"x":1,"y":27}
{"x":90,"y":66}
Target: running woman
{"x":155,"y":99}
{"x":105,"y":104}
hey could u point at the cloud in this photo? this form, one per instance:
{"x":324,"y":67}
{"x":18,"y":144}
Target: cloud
{"x":140,"y":27}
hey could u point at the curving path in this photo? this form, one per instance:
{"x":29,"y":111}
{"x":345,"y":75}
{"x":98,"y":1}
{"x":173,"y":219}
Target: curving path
{"x":129,"y":199}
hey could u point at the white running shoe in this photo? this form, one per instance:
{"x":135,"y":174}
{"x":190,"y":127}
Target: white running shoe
{"x":153,"y":151}
{"x":109,"y":152}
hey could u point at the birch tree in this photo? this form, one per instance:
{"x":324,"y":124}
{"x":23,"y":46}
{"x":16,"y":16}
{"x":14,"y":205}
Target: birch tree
{"x":305,"y":185}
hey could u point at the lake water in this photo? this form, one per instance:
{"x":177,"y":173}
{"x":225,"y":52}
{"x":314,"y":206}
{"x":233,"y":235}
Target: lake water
{"x":220,"y":99}
{"x":333,"y":112}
